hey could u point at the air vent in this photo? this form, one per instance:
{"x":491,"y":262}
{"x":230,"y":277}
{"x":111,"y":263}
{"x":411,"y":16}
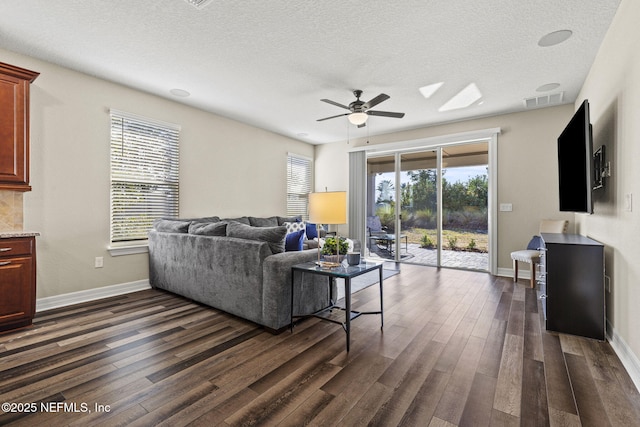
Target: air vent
{"x":198,"y":4}
{"x":544,"y":101}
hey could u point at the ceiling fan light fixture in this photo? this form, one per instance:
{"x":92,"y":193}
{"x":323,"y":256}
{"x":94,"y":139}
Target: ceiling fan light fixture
{"x":358,"y":118}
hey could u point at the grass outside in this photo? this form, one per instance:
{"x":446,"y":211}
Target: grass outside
{"x":464,"y":240}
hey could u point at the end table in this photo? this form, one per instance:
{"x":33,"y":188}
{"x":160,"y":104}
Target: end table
{"x":344,"y":272}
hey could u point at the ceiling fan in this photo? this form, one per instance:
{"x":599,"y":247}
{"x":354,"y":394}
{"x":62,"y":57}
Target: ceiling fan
{"x":360,"y":110}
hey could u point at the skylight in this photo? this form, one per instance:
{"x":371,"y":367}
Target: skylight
{"x":198,"y":4}
{"x":429,"y":90}
{"x":465,"y":98}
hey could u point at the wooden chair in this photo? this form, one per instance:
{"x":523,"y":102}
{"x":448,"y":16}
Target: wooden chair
{"x":531,"y":255}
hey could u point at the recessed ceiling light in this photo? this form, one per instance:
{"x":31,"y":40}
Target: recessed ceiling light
{"x":554,"y":38}
{"x":179,"y":92}
{"x":465,"y":98}
{"x":429,"y":90}
{"x":548,"y":87}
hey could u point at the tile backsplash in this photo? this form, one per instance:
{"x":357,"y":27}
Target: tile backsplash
{"x":11,"y":218}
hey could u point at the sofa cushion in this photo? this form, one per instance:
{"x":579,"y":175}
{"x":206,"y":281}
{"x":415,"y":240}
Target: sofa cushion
{"x":241,"y":220}
{"x":283,"y":219}
{"x":206,"y":219}
{"x":209,"y":228}
{"x":263,"y":222}
{"x":171,"y":226}
{"x":294,"y":241}
{"x":274,"y":236}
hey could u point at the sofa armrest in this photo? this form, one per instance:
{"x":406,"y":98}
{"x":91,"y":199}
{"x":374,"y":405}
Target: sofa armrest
{"x":311,"y":291}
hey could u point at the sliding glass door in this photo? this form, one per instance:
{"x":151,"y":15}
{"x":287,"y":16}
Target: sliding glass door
{"x":429,"y":206}
{"x":381,"y":207}
{"x":419,"y":195}
{"x":465,"y":192}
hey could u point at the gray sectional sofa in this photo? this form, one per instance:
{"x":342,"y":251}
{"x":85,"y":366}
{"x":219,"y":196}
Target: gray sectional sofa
{"x":236,"y":265}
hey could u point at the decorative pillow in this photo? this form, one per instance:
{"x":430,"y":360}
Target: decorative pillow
{"x":283,"y":219}
{"x":263,"y":222}
{"x":274,"y":236}
{"x":312,"y":231}
{"x":171,"y":226}
{"x":535,"y":243}
{"x":294,"y":241}
{"x":208,"y":228}
{"x":293,"y":227}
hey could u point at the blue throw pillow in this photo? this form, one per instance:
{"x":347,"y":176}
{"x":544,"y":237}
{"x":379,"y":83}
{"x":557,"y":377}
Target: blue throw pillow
{"x":312,"y":231}
{"x":294,"y":241}
{"x":535,"y":243}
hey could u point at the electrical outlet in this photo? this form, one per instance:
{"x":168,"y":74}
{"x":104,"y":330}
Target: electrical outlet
{"x":99,"y":262}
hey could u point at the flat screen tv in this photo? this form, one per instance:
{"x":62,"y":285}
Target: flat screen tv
{"x":575,"y":167}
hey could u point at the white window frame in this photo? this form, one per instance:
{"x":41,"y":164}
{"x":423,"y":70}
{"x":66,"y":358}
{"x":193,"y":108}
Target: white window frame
{"x":153,"y":162}
{"x":301,"y":193}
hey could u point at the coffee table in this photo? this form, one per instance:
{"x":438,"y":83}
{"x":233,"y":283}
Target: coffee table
{"x":347,"y":273}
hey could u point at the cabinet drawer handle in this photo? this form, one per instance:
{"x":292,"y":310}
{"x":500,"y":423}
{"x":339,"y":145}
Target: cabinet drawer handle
{"x":5,"y":263}
{"x":5,"y":249}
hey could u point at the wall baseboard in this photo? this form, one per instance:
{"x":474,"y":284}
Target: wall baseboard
{"x":71,"y":298}
{"x":508,"y":272}
{"x":629,"y":360}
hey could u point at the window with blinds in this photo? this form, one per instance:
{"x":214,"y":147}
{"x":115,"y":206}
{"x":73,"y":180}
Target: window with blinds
{"x":144,"y":175}
{"x":299,"y":182}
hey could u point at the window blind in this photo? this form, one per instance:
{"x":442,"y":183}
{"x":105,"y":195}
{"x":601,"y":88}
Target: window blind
{"x":144,"y":174}
{"x":299,"y":182}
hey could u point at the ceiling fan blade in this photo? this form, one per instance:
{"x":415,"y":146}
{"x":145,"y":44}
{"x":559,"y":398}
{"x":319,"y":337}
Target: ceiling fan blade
{"x":375,"y":101}
{"x":385,"y":114}
{"x":328,"y":101}
{"x":333,"y":117}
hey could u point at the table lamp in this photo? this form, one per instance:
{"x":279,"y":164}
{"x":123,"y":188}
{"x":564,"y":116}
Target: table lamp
{"x":328,"y":208}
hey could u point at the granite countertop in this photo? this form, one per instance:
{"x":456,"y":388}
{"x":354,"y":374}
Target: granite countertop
{"x":14,"y":234}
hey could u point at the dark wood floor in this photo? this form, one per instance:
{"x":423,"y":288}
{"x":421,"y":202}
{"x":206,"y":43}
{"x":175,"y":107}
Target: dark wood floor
{"x":458,"y":348}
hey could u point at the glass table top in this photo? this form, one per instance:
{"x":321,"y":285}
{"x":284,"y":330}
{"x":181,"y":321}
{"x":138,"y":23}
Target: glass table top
{"x":343,"y":270}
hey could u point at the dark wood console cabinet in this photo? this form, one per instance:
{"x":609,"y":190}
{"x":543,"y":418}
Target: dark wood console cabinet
{"x":571,"y":284}
{"x":17,"y":282}
{"x":14,"y":127}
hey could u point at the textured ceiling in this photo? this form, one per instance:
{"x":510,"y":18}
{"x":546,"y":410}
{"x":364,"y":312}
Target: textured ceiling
{"x":269,"y":62}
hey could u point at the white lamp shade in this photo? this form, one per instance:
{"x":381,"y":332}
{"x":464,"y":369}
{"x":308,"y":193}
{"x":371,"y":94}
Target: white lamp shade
{"x":358,"y":118}
{"x":328,"y":208}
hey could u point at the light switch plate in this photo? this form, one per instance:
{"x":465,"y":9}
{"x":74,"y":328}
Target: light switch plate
{"x":628,"y":202}
{"x":506,"y":207}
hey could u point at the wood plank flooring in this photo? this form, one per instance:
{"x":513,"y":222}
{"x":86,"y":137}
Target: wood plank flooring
{"x":459,"y":348}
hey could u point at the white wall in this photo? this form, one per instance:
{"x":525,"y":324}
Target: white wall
{"x":613,"y":90}
{"x":227,"y":169}
{"x":527,"y":169}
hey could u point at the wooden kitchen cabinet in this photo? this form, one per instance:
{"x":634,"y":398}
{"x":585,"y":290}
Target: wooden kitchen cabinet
{"x":17,"y":282}
{"x":14,"y":127}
